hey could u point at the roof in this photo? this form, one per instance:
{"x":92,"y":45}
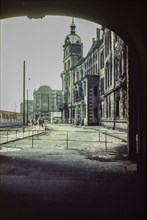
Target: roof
{"x":44,"y":89}
{"x":94,"y":45}
{"x":72,"y":38}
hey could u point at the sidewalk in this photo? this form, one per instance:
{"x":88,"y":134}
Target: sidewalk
{"x":122,"y":135}
{"x":85,"y":182}
{"x":18,"y":134}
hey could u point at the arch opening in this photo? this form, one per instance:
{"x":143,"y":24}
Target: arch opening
{"x":136,"y":76}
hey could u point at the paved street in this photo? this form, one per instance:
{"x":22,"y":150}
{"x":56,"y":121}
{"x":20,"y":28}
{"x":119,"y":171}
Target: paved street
{"x":79,"y":180}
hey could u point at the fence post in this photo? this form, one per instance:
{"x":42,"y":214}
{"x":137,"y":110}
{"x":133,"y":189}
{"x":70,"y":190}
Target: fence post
{"x":67,"y":141}
{"x":99,"y":136}
{"x":7,"y":136}
{"x":106,"y":142}
{"x":32,"y":140}
{"x":16,"y":134}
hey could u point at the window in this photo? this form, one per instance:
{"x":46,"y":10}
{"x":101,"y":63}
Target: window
{"x":124,"y":107}
{"x":102,"y":60}
{"x":96,"y":68}
{"x":116,"y":67}
{"x":108,"y":75}
{"x":91,"y":71}
{"x":107,"y":42}
{"x":65,"y":66}
{"x":73,"y":78}
{"x":69,"y":80}
{"x":95,"y":112}
{"x":106,"y":80}
{"x":102,"y":86}
{"x":120,"y":66}
{"x":65,"y":53}
{"x":81,"y":74}
{"x":68,"y":64}
{"x":110,"y":72}
{"x":109,"y":107}
{"x":84,"y":88}
{"x":84,"y":110}
{"x":95,"y":91}
{"x":101,"y":113}
{"x":73,"y":113}
{"x":124,"y":58}
{"x":117,"y":107}
{"x":45,"y":97}
{"x":77,"y":76}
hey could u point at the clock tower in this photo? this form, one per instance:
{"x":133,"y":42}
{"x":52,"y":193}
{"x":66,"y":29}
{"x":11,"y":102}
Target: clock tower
{"x":73,"y":48}
{"x":72,"y":54}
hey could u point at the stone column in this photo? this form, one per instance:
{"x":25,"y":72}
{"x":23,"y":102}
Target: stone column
{"x":121,"y":104}
{"x":70,"y":115}
{"x":64,"y":116}
{"x":82,"y":113}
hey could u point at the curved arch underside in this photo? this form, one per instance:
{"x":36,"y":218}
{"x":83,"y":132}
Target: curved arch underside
{"x":127,"y":19}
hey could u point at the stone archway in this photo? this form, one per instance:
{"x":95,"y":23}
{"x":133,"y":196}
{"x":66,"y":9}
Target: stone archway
{"x":121,"y":17}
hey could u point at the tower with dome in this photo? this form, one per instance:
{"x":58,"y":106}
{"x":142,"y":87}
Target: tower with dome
{"x":72,"y":54}
{"x":73,"y":48}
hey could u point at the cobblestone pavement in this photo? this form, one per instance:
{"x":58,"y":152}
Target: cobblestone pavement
{"x":50,"y":181}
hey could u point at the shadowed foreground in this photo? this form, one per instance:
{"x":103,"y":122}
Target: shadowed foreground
{"x":65,"y":187}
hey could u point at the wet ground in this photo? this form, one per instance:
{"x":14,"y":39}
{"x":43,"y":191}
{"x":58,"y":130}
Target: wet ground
{"x":82,"y":182}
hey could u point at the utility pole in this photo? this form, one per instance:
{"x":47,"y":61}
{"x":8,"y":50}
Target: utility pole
{"x":27,"y":106}
{"x":23,"y":95}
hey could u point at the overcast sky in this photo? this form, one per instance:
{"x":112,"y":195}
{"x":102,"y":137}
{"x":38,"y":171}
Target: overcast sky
{"x":40,"y":43}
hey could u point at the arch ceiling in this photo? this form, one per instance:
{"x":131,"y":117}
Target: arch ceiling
{"x":126,"y":18}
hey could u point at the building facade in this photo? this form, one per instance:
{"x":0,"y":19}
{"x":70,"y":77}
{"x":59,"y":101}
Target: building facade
{"x":29,"y":110}
{"x":46,"y":100}
{"x":113,"y":72}
{"x":95,"y":87}
{"x":9,"y":118}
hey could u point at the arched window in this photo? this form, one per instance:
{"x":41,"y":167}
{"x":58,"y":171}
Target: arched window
{"x":84,"y":88}
{"x":109,"y":107}
{"x":95,"y":91}
{"x":77,"y":76}
{"x":69,"y":80}
{"x":102,"y":59}
{"x":73,"y":78}
{"x":68,"y":64}
{"x":65,"y":66}
{"x":81,"y":74}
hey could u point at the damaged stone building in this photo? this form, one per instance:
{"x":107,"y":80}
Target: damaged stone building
{"x":95,"y":88}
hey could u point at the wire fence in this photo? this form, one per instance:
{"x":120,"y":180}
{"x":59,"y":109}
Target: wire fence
{"x":65,"y":139}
